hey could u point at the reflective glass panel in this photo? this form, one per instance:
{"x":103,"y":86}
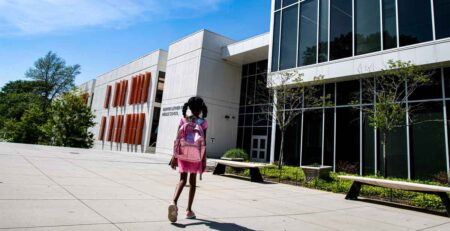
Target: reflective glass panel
{"x":289,"y":38}
{"x":276,"y":41}
{"x":427,"y":151}
{"x":307,"y":49}
{"x":289,"y":2}
{"x":312,"y":137}
{"x":277,"y":4}
{"x":341,"y":29}
{"x":442,"y":18}
{"x":389,"y":24}
{"x":367,"y":26}
{"x":414,"y":21}
{"x":323,"y":31}
{"x":347,"y":140}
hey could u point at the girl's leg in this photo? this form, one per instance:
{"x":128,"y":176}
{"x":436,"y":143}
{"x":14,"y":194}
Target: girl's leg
{"x":192,"y":186}
{"x":179,"y":188}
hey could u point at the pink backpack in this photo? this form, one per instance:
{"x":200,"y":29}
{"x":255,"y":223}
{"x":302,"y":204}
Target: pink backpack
{"x":190,"y":143}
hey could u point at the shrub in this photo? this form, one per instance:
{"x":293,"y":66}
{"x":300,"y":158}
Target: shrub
{"x":236,"y":153}
{"x":347,"y":167}
{"x":291,"y":174}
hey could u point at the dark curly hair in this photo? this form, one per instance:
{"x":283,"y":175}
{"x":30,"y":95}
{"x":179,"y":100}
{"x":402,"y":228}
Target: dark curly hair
{"x":196,"y":104}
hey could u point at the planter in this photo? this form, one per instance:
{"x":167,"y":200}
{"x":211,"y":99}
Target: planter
{"x":232,"y":159}
{"x":321,"y":172}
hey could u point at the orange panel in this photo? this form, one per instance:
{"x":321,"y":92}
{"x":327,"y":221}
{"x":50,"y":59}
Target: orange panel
{"x":118,"y":132}
{"x":107,"y":96}
{"x":110,"y":129}
{"x":124,"y":92}
{"x":102,"y":128}
{"x":131,"y":95}
{"x":116,"y":93}
{"x":139,"y":93}
{"x":132,"y":136}
{"x":140,"y":128}
{"x":147,"y":80}
{"x":127,"y":129}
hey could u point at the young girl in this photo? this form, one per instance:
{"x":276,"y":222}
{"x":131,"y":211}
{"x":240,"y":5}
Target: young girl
{"x":199,"y":111}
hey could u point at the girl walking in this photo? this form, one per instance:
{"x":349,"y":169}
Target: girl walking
{"x":194,"y":114}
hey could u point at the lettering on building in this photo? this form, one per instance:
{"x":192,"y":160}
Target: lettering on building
{"x":171,"y":111}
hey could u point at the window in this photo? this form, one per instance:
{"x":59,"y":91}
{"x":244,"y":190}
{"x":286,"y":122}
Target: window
{"x":312,"y":137}
{"x":367,"y":26}
{"x":347,"y":139}
{"x":427,"y":151}
{"x":160,"y":87}
{"x":276,"y":41}
{"x":307,"y":48}
{"x":340,"y":29}
{"x":277,"y":4}
{"x":289,"y":38}
{"x":289,"y":2}
{"x":442,"y":18}
{"x":414,"y":21}
{"x":323,"y":31}
{"x":389,"y":24}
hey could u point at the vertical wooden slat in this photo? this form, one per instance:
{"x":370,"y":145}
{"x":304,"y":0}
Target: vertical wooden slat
{"x":127,"y":129}
{"x":124,"y":92}
{"x":116,"y":92}
{"x":118,"y":132}
{"x":107,"y":96}
{"x":133,"y":86}
{"x":146,"y":86}
{"x":139,"y":93}
{"x":110,"y":129}
{"x":140,"y":128}
{"x":133,"y":129}
{"x":101,"y":133}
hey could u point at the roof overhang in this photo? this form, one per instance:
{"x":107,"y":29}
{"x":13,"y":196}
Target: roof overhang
{"x":248,"y":51}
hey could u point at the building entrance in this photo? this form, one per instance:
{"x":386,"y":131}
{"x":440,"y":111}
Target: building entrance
{"x":258,"y":150}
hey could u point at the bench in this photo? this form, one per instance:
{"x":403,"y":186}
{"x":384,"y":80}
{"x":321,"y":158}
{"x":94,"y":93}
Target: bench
{"x":353,"y":193}
{"x":255,"y":174}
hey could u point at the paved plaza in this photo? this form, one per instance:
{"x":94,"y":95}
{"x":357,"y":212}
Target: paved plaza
{"x":48,"y":188}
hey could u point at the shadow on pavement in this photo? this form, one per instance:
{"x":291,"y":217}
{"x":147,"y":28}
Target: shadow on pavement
{"x":402,"y":206}
{"x":214,"y":225}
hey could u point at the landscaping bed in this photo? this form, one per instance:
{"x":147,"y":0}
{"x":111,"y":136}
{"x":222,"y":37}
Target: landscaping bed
{"x":295,"y":176}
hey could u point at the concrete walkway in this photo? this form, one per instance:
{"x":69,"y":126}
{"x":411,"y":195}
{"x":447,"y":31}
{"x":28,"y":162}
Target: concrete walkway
{"x":48,"y":188}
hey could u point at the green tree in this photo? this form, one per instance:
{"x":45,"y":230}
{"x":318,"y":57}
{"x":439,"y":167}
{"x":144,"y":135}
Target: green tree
{"x":27,"y":129}
{"x":394,"y":86}
{"x":69,"y":121}
{"x":16,"y":97}
{"x":290,"y":92}
{"x":54,"y":77}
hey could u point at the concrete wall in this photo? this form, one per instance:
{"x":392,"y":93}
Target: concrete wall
{"x":89,"y":88}
{"x":153,"y":62}
{"x":195,"y":68}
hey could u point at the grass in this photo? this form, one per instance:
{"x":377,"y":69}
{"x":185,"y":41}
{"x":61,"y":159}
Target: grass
{"x":295,"y":176}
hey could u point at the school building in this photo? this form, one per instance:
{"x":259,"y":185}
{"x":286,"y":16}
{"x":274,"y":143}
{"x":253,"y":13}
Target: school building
{"x":138,"y":105}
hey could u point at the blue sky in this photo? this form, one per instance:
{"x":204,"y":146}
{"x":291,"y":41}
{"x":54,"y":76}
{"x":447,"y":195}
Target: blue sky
{"x":103,"y":34}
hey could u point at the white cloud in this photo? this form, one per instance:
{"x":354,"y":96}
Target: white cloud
{"x":44,"y":16}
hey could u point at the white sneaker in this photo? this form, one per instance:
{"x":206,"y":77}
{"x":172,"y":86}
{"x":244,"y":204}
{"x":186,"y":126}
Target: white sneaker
{"x":190,"y":215}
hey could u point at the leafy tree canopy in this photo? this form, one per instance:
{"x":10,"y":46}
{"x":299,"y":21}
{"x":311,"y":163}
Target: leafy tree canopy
{"x":53,"y":75}
{"x":69,"y":122}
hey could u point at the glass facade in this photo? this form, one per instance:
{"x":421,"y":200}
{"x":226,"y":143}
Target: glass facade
{"x":414,"y":21}
{"x":367,"y":26}
{"x":315,"y":31}
{"x":340,"y":135}
{"x":288,"y":45}
{"x":307,"y":47}
{"x":254,"y":122}
{"x":340,"y":29}
{"x":442,"y":18}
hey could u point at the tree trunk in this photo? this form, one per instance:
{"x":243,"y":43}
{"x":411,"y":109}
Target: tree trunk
{"x":383,"y":143}
{"x":280,"y":159}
